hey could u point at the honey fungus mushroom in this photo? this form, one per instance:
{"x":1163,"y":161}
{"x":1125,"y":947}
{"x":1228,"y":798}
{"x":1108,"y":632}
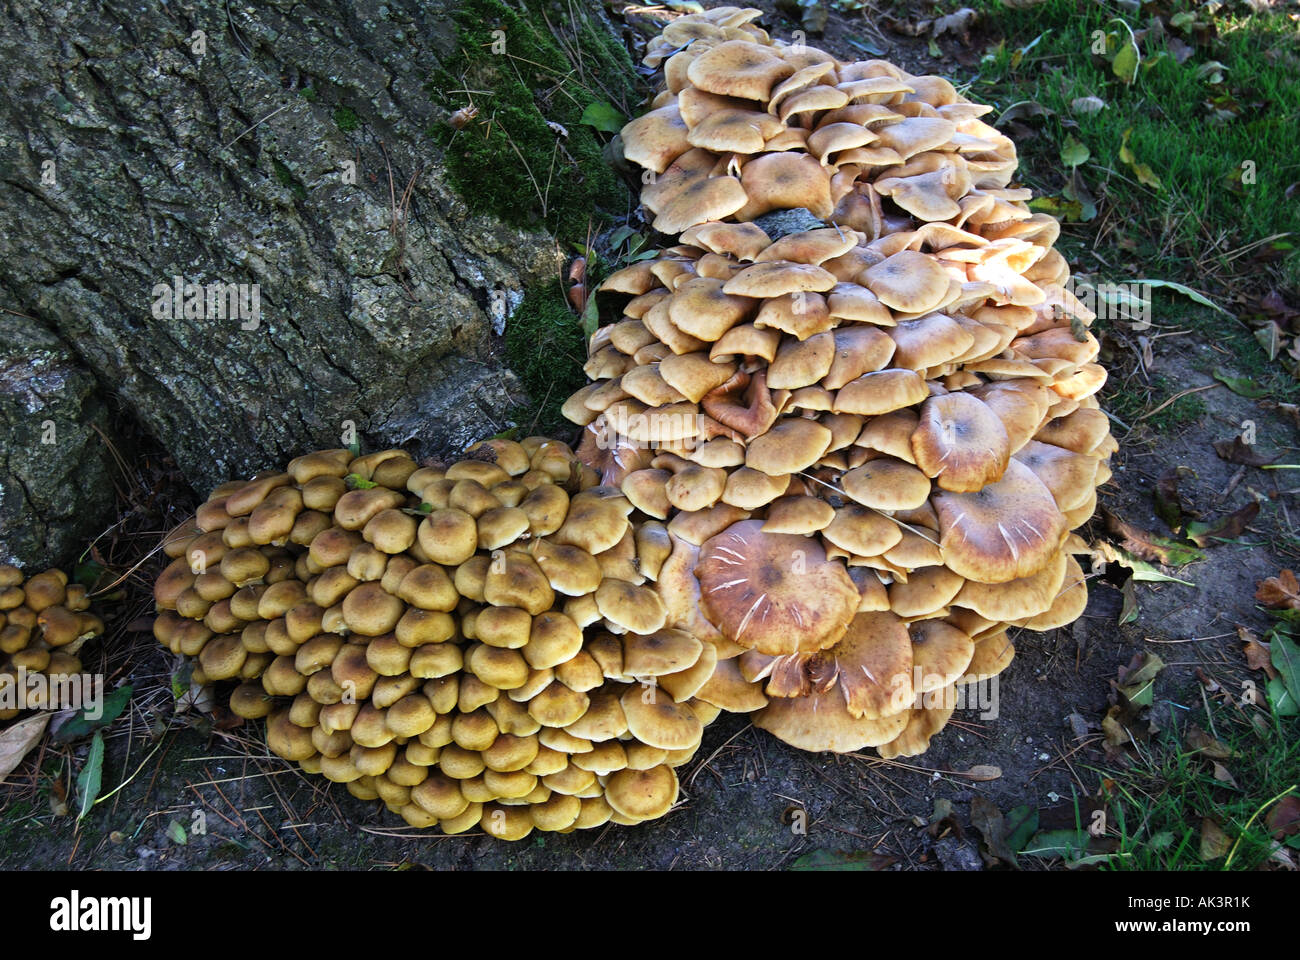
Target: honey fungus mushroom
{"x":447,"y":672}
{"x":45,"y":620}
{"x":824,"y":474}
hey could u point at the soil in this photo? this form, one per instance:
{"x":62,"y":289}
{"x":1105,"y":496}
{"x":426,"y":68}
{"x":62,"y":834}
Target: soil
{"x":742,"y":795}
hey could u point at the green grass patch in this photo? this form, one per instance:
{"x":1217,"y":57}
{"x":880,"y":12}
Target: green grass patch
{"x":532,"y":69}
{"x":1129,"y":401}
{"x":1204,"y":128}
{"x":1165,"y":809}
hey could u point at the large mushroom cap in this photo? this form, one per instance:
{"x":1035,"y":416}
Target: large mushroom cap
{"x":821,"y":721}
{"x":1007,"y":530}
{"x":774,"y":592}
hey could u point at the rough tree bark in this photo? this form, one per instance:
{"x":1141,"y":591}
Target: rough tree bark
{"x":264,"y":144}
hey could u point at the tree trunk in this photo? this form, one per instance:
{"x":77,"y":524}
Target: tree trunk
{"x":281,"y":148}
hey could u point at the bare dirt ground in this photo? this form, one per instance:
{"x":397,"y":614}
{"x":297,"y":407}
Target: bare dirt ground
{"x":742,"y":795}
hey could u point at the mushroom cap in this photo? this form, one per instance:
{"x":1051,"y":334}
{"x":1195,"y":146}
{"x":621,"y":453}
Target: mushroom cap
{"x":922,"y":724}
{"x":743,"y":241}
{"x":785,"y":181}
{"x":887,"y":484}
{"x":738,"y":68}
{"x":700,"y":307}
{"x":1071,"y":599}
{"x":821,"y":721}
{"x":654,"y":719}
{"x":656,"y":139}
{"x":1007,"y":530}
{"x":662,"y":652}
{"x":640,"y":795}
{"x":925,"y":592}
{"x":928,"y":341}
{"x":960,"y":442}
{"x":631,"y":607}
{"x":872,"y":665}
{"x":940,"y":654}
{"x":775,"y":278}
{"x":1016,"y":599}
{"x":882,"y":391}
{"x":798,"y":514}
{"x":774,"y":592}
{"x":791,"y":445}
{"x":908,"y":281}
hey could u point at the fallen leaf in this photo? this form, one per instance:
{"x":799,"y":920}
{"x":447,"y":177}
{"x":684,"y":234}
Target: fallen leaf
{"x":1128,"y":611}
{"x":1186,"y":291}
{"x":1021,"y":824}
{"x":1257,"y":652}
{"x":1223,"y":776}
{"x":987,"y":819}
{"x":1023,"y":110}
{"x":1270,"y":338}
{"x":1058,"y":843}
{"x":1280,"y":593}
{"x":842,"y":860}
{"x":1146,"y":176}
{"x":1225,"y":528}
{"x":1073,"y":152}
{"x":108,"y":710}
{"x":1150,"y":546}
{"x":91,"y":776}
{"x":981,"y":772}
{"x":1286,"y":660}
{"x":176,"y":833}
{"x":1137,"y":680}
{"x":1140,"y":569}
{"x":1237,"y":451}
{"x":1168,"y":501}
{"x":1087,"y":105}
{"x":17,"y":740}
{"x":1214,"y":842}
{"x":1283,"y":820}
{"x":1125,"y":64}
{"x":1242,"y":386}
{"x":1198,"y":741}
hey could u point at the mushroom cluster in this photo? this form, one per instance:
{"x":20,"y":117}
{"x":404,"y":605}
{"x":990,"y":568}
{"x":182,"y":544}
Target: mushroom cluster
{"x":473,"y":644}
{"x":44,"y":620}
{"x":869,"y":438}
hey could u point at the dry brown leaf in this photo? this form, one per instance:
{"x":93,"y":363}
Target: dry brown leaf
{"x":1214,"y":842}
{"x":1237,"y":451}
{"x":1258,"y":653}
{"x":16,"y":741}
{"x":1201,"y":742}
{"x":1281,"y":592}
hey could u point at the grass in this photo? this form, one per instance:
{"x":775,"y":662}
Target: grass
{"x":1194,"y":134}
{"x":1159,"y":806}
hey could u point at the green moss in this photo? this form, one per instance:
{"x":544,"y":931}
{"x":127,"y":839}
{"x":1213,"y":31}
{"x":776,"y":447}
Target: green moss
{"x":346,"y":119}
{"x":509,"y":161}
{"x":308,"y":94}
{"x":545,"y":347}
{"x":287,"y":179}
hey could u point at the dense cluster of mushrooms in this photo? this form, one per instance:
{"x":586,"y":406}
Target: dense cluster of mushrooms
{"x":823,"y":469}
{"x":870,"y":437}
{"x":473,"y":645}
{"x":44,"y":620}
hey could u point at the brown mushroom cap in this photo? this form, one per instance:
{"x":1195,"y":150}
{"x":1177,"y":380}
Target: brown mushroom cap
{"x":1008,"y":530}
{"x":654,"y":719}
{"x":960,"y":442}
{"x":738,"y":68}
{"x":642,"y":794}
{"x":774,"y":592}
{"x":820,"y":721}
